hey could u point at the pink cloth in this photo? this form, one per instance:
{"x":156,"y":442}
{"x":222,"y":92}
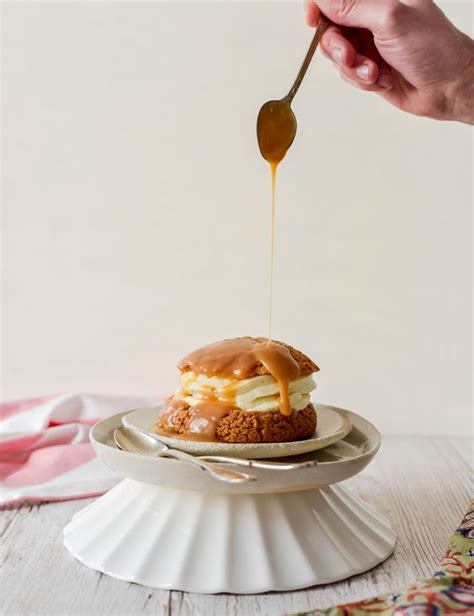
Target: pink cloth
{"x":45,"y":454}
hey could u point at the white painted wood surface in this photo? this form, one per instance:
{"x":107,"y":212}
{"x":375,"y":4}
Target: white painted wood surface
{"x":422,"y":484}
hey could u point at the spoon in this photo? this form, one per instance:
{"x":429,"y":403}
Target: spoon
{"x":276,"y":122}
{"x":139,"y":442}
{"x":151,"y":444}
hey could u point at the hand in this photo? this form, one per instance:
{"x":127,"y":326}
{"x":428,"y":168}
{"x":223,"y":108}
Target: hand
{"x":408,"y":52}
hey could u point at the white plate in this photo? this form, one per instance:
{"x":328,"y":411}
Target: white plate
{"x":332,"y":427}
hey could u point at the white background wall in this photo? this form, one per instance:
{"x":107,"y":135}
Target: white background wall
{"x":137,"y":210}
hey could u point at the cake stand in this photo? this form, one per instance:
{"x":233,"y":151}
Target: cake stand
{"x":169,"y":525}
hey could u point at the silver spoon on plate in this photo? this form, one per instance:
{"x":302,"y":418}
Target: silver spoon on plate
{"x":139,"y":441}
{"x":135,"y":441}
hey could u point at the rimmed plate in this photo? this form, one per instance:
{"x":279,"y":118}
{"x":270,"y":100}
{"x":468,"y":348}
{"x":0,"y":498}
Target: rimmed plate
{"x":332,"y":427}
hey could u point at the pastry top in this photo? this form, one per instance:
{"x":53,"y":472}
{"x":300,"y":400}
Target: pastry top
{"x":247,"y":357}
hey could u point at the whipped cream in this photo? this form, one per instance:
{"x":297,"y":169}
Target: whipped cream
{"x":258,"y":393}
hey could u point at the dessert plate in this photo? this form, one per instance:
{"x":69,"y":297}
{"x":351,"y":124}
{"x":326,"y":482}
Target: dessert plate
{"x":332,"y":427}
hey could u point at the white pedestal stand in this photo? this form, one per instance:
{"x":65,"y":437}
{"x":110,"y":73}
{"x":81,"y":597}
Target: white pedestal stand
{"x":254,"y":539}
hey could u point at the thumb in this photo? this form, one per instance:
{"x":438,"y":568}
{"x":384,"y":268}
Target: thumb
{"x":370,"y":14}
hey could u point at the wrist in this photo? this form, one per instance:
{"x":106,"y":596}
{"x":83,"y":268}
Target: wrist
{"x":461,"y":90}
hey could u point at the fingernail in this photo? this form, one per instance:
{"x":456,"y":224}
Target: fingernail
{"x":384,"y":80}
{"x":362,"y":71}
{"x":336,"y":54}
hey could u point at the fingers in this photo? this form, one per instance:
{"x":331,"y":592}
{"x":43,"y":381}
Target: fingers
{"x":337,"y":47}
{"x":370,"y":14}
{"x":364,"y":71}
{"x":364,"y":79}
{"x":354,"y":67}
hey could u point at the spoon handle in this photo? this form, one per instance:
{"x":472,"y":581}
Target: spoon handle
{"x":223,"y":474}
{"x":320,"y":30}
{"x":264,"y":464}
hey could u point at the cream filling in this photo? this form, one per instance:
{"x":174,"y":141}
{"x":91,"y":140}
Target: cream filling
{"x":258,"y":393}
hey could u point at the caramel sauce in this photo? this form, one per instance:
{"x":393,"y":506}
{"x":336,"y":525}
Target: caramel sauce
{"x":273,"y":168}
{"x":240,"y":357}
{"x":282,"y":367}
{"x":170,"y":411}
{"x":203,"y":418}
{"x":208,"y":392}
{"x":228,"y":393}
{"x":188,"y":436}
{"x":276,"y":129}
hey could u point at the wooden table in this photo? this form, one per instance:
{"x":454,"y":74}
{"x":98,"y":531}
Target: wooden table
{"x":422,"y":484}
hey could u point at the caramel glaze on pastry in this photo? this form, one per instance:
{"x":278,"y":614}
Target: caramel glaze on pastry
{"x":242,"y":390}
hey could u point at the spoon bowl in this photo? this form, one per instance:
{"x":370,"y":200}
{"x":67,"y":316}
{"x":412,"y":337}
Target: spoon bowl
{"x":276,"y":122}
{"x":276,"y":129}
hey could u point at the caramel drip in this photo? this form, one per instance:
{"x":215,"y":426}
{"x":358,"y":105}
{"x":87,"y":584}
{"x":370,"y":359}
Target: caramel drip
{"x":240,"y":358}
{"x":276,"y":129}
{"x":228,"y":394}
{"x":203,"y":419}
{"x":273,"y":167}
{"x":282,"y":370}
{"x":170,"y":411}
{"x":205,"y":416}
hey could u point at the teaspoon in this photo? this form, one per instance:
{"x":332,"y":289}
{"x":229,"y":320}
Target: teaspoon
{"x":276,"y":122}
{"x":151,"y":444}
{"x":139,"y":442}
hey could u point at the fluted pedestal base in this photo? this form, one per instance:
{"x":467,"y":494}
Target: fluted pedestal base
{"x":237,"y":543}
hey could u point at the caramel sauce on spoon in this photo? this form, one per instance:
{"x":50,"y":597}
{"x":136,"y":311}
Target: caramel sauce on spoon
{"x":276,"y":130}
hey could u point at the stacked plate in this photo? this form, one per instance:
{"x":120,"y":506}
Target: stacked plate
{"x":342,"y":446}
